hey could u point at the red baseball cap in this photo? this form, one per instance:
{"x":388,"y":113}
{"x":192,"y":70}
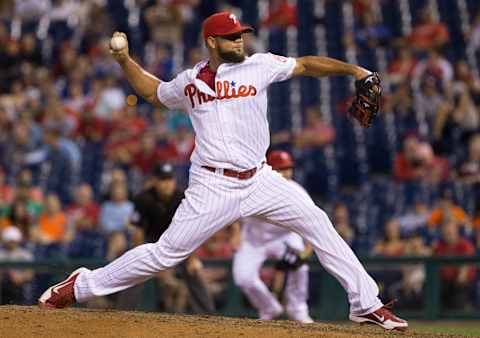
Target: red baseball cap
{"x":280,"y":159}
{"x":222,"y":24}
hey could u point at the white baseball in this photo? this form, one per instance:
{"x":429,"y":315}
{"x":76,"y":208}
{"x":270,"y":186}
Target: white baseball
{"x":118,"y":42}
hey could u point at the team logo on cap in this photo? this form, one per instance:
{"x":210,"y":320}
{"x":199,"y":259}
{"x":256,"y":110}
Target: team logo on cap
{"x":233,"y":17}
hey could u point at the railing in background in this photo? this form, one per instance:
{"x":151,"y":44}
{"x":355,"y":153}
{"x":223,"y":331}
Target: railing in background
{"x":332,"y":303}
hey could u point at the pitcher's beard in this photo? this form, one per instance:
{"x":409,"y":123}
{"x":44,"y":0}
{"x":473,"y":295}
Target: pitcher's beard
{"x":231,"y":57}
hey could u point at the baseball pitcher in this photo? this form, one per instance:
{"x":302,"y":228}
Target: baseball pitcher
{"x":225,"y":97}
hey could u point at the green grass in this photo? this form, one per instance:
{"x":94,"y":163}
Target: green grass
{"x":466,"y":328}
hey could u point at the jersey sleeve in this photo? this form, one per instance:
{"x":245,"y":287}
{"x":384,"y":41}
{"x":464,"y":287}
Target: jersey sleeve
{"x":171,"y":93}
{"x":280,"y":67}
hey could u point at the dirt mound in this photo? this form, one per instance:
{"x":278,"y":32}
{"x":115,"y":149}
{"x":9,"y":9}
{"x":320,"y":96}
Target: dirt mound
{"x":23,"y":322}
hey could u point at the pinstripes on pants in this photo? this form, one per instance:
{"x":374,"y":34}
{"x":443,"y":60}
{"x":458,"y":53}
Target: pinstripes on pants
{"x":212,"y":202}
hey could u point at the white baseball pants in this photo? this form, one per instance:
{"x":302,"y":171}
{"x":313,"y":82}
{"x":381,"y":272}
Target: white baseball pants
{"x":213,"y":201}
{"x":248,"y":261}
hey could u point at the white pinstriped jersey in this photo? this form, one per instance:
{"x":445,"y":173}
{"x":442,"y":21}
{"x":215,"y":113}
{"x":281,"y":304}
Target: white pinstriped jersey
{"x":230,"y":124}
{"x":257,"y":231}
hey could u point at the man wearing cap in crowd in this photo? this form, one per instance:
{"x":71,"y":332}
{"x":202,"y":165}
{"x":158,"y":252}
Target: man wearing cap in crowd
{"x":155,"y":207}
{"x":13,"y":282}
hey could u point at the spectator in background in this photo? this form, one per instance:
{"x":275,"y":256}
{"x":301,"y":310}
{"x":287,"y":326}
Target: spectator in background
{"x":9,"y":66}
{"x":117,"y":210}
{"x":316,"y":132}
{"x":30,"y":49}
{"x":456,"y":279}
{"x":445,"y":210}
{"x":85,"y":239}
{"x":26,"y":117}
{"x":428,"y":33}
{"x":76,"y":100}
{"x":473,"y":36}
{"x":28,"y":192}
{"x":31,"y":10}
{"x":409,"y":289}
{"x":110,"y":178}
{"x":281,"y":15}
{"x":14,"y":282}
{"x":401,"y":67}
{"x":7,"y":9}
{"x":157,"y":203}
{"x":371,"y":33}
{"x":52,"y":223}
{"x":429,"y":100}
{"x":468,"y":171}
{"x":83,"y":213}
{"x":465,"y":80}
{"x":415,"y":218}
{"x":455,"y":120}
{"x":19,"y":217}
{"x":159,"y":125}
{"x":401,"y":104}
{"x":148,"y":154}
{"x":392,"y":245}
{"x":18,"y":148}
{"x":115,"y":215}
{"x":164,"y":20}
{"x":57,"y":169}
{"x":56,"y":117}
{"x":436,"y":66}
{"x":159,"y":61}
{"x":417,"y":162}
{"x":6,"y":191}
{"x":360,"y":7}
{"x":184,"y":141}
{"x":341,"y":220}
{"x":111,"y":98}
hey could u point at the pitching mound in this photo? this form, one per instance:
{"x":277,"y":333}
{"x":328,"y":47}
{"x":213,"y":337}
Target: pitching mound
{"x":20,"y":321}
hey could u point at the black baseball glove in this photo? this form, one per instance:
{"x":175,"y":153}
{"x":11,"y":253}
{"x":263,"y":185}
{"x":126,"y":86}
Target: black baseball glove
{"x":367,"y":99}
{"x":292,"y":259}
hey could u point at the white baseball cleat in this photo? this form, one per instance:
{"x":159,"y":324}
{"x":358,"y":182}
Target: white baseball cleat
{"x":382,"y":317}
{"x":272,"y":314}
{"x":306,"y":320}
{"x":60,"y":295}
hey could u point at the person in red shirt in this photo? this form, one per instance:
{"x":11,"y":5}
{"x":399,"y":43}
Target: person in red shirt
{"x":281,"y":15}
{"x":149,"y":153}
{"x":6,"y":193}
{"x":83,"y":213}
{"x":401,"y":68}
{"x":418,"y":162}
{"x":457,"y":280}
{"x":428,"y":33}
{"x":392,"y":245}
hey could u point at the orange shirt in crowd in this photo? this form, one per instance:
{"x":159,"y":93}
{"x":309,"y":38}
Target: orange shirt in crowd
{"x":436,"y":217}
{"x":4,"y":222}
{"x":426,"y":36}
{"x":54,"y":226}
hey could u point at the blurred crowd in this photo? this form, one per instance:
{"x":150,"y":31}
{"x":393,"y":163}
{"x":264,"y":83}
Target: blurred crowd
{"x":76,"y":144}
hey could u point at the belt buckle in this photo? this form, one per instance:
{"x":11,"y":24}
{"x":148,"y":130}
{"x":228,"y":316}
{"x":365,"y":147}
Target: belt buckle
{"x":219,"y":171}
